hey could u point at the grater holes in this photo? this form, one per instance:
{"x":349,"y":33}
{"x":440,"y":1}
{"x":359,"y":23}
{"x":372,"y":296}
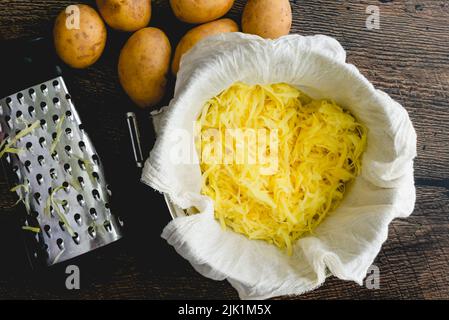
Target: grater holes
{"x":39,"y":178}
{"x":96,"y":175}
{"x":56,"y":102}
{"x":19,"y":115}
{"x":77,"y":218}
{"x":47,"y":230}
{"x":32,"y":94}
{"x":44,"y":89}
{"x":96,"y":159}
{"x":8,"y":121}
{"x":29,"y":146}
{"x":81,"y":127}
{"x":28,"y":165}
{"x":76,"y":238}
{"x":50,"y":190}
{"x":80,"y":200}
{"x":44,"y":107}
{"x":55,"y":83}
{"x":107,"y":206}
{"x":108,"y":226}
{"x":96,"y":194}
{"x":67,"y":168}
{"x":68,"y":132}
{"x":108,"y":189}
{"x":55,"y":156}
{"x":81,"y":164}
{"x":37,"y":198}
{"x":34,"y":214}
{"x":92,"y":232}
{"x":41,"y":160}
{"x":55,"y":118}
{"x":31,"y":111}
{"x":41,"y":155}
{"x":42,"y":142}
{"x":43,"y":124}
{"x":8,"y":102}
{"x":53,"y":174}
{"x":93,"y":213}
{"x":20,"y":97}
{"x":61,"y":226}
{"x":68,"y":150}
{"x":65,"y":206}
{"x":66,"y":186}
{"x":68,"y":97}
{"x":81,"y":181}
{"x":60,"y":243}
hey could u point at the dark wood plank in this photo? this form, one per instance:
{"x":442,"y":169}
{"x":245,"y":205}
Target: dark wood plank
{"x":408,"y":58}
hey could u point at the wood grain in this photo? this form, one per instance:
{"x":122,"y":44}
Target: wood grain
{"x":408,"y":58}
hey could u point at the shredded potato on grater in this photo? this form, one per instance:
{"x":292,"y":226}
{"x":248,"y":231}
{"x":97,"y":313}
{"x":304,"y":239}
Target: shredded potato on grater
{"x":310,"y":151}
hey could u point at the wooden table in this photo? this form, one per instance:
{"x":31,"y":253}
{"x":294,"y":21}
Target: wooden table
{"x":408,"y":57}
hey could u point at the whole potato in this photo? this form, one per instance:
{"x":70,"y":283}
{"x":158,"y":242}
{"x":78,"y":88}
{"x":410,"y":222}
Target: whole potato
{"x":79,"y":45}
{"x":125,"y":15}
{"x":143,"y":65}
{"x":267,"y":18}
{"x":198,"y":33}
{"x":200,"y":11}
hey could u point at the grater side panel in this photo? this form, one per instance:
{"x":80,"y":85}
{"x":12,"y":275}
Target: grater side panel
{"x":73,"y":175}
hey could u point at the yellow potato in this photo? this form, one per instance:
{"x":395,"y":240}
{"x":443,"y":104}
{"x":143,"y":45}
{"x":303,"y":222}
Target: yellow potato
{"x":200,"y":11}
{"x":125,"y":15}
{"x":79,"y":45}
{"x":267,"y":18}
{"x":198,"y":33}
{"x":143,"y":66}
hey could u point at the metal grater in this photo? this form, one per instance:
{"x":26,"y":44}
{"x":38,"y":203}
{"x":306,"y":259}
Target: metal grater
{"x":72,"y":175}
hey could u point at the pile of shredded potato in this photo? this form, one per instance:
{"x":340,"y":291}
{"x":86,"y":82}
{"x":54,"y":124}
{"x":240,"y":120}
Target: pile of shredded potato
{"x":317,"y":151}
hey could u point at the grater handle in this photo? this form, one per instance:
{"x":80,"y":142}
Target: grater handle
{"x":134,"y":133}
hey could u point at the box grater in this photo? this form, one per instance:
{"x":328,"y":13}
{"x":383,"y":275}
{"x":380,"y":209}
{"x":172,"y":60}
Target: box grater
{"x":57,"y":174}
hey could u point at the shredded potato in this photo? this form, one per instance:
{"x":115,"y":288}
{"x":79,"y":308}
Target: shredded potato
{"x":316,"y":152}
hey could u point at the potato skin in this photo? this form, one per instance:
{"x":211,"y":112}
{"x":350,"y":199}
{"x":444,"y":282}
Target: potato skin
{"x":143,"y":66}
{"x":198,"y":33}
{"x":200,"y":11}
{"x":82,"y":47}
{"x":125,"y":15}
{"x":267,"y":18}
